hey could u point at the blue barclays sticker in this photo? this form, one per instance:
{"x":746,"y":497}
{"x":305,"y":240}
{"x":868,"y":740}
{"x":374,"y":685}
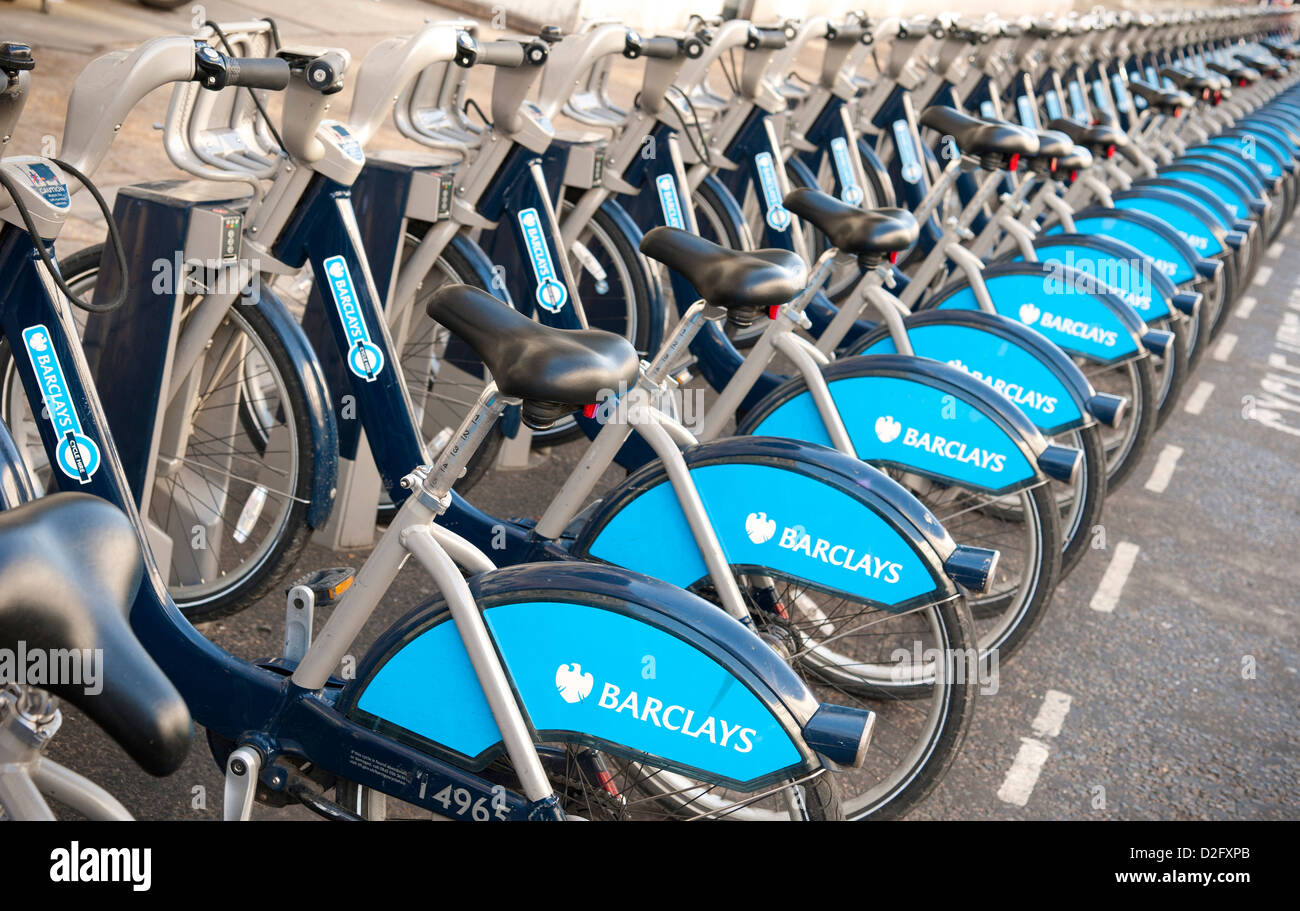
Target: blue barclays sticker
{"x":778,"y":218}
{"x":1025,"y":105}
{"x":581,"y":668}
{"x":1120,"y":89}
{"x":1128,"y":279}
{"x":1099,"y":95}
{"x":1053,"y":102}
{"x":910,"y":424}
{"x":1076,"y":101}
{"x":850,"y":191}
{"x":346,"y":141}
{"x":1074,"y":319}
{"x":46,"y":182}
{"x":365,"y":359}
{"x":669,"y":202}
{"x":999,"y":362}
{"x":551,"y":293}
{"x":76,"y":454}
{"x":908,"y":159}
{"x":1162,"y":254}
{"x":786,"y":522}
{"x":1187,"y":224}
{"x":986,"y":110}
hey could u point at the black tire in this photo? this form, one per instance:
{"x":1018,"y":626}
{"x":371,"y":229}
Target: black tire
{"x":164,"y":4}
{"x":1134,"y":379}
{"x":1171,"y":378}
{"x":1014,"y":614}
{"x":959,"y":708}
{"x":1077,"y":526}
{"x":274,"y":565}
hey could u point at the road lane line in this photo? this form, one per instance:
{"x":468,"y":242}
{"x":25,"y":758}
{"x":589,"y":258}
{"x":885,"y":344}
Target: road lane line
{"x":1263,"y":275}
{"x":1024,"y":772}
{"x":1200,"y":395}
{"x":1051,"y":714}
{"x":1112,"y":583}
{"x":1276,"y":250}
{"x":1246,"y":307}
{"x":1166,"y":462}
{"x":1223,"y":350}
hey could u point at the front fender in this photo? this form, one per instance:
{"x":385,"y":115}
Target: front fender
{"x":780,"y":508}
{"x":596,"y":655}
{"x":915,"y":414}
{"x":320,"y":414}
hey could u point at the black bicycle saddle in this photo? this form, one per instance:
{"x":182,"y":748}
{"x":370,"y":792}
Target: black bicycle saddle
{"x":1166,"y":102}
{"x":745,"y":283}
{"x":1069,"y":166}
{"x":553,"y":370}
{"x":870,"y":233}
{"x":69,"y":570}
{"x":1097,"y":138}
{"x":993,"y":143}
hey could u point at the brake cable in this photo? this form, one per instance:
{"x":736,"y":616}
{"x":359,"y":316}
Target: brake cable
{"x":702,"y":148}
{"x":230,"y":52}
{"x":118,"y":252}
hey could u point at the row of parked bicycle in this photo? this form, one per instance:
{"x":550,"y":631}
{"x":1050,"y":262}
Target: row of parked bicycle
{"x":941,"y":294}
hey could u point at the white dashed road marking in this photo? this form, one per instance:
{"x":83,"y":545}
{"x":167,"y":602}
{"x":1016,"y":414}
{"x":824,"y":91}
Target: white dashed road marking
{"x":1246,"y":307}
{"x":1032,"y":755}
{"x":1051,"y":715}
{"x":1263,"y":275}
{"x":1112,"y":583}
{"x":1024,"y":772}
{"x":1223,"y":350}
{"x":1166,"y":462}
{"x":1200,"y":395}
{"x":1276,"y":250}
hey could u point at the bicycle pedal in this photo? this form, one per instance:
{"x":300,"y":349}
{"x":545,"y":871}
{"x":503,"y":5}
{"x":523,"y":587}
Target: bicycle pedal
{"x":326,"y":585}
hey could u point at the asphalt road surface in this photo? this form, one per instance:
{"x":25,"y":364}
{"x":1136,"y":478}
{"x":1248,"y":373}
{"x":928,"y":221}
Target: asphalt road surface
{"x":1180,"y":701}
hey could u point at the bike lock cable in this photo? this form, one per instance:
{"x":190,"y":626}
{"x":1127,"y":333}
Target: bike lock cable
{"x":35,"y":235}
{"x":230,"y":52}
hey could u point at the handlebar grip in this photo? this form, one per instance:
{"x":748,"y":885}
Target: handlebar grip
{"x":848,"y":33}
{"x":661,"y":47}
{"x":766,"y":38}
{"x":500,"y":53}
{"x":258,"y":72}
{"x":510,"y":53}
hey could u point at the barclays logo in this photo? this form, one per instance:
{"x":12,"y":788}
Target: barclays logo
{"x":888,"y":429}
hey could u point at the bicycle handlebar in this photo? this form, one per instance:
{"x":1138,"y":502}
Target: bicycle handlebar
{"x":665,"y":48}
{"x":508,"y":54}
{"x":214,"y":70}
{"x":772,"y":39}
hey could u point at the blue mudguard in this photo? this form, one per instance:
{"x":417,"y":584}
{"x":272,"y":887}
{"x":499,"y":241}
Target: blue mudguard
{"x":596,"y":655}
{"x":1168,"y":251}
{"x":916,"y":414}
{"x":1016,"y":361}
{"x":780,"y":508}
{"x":1053,"y":299}
{"x":1122,"y":268}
